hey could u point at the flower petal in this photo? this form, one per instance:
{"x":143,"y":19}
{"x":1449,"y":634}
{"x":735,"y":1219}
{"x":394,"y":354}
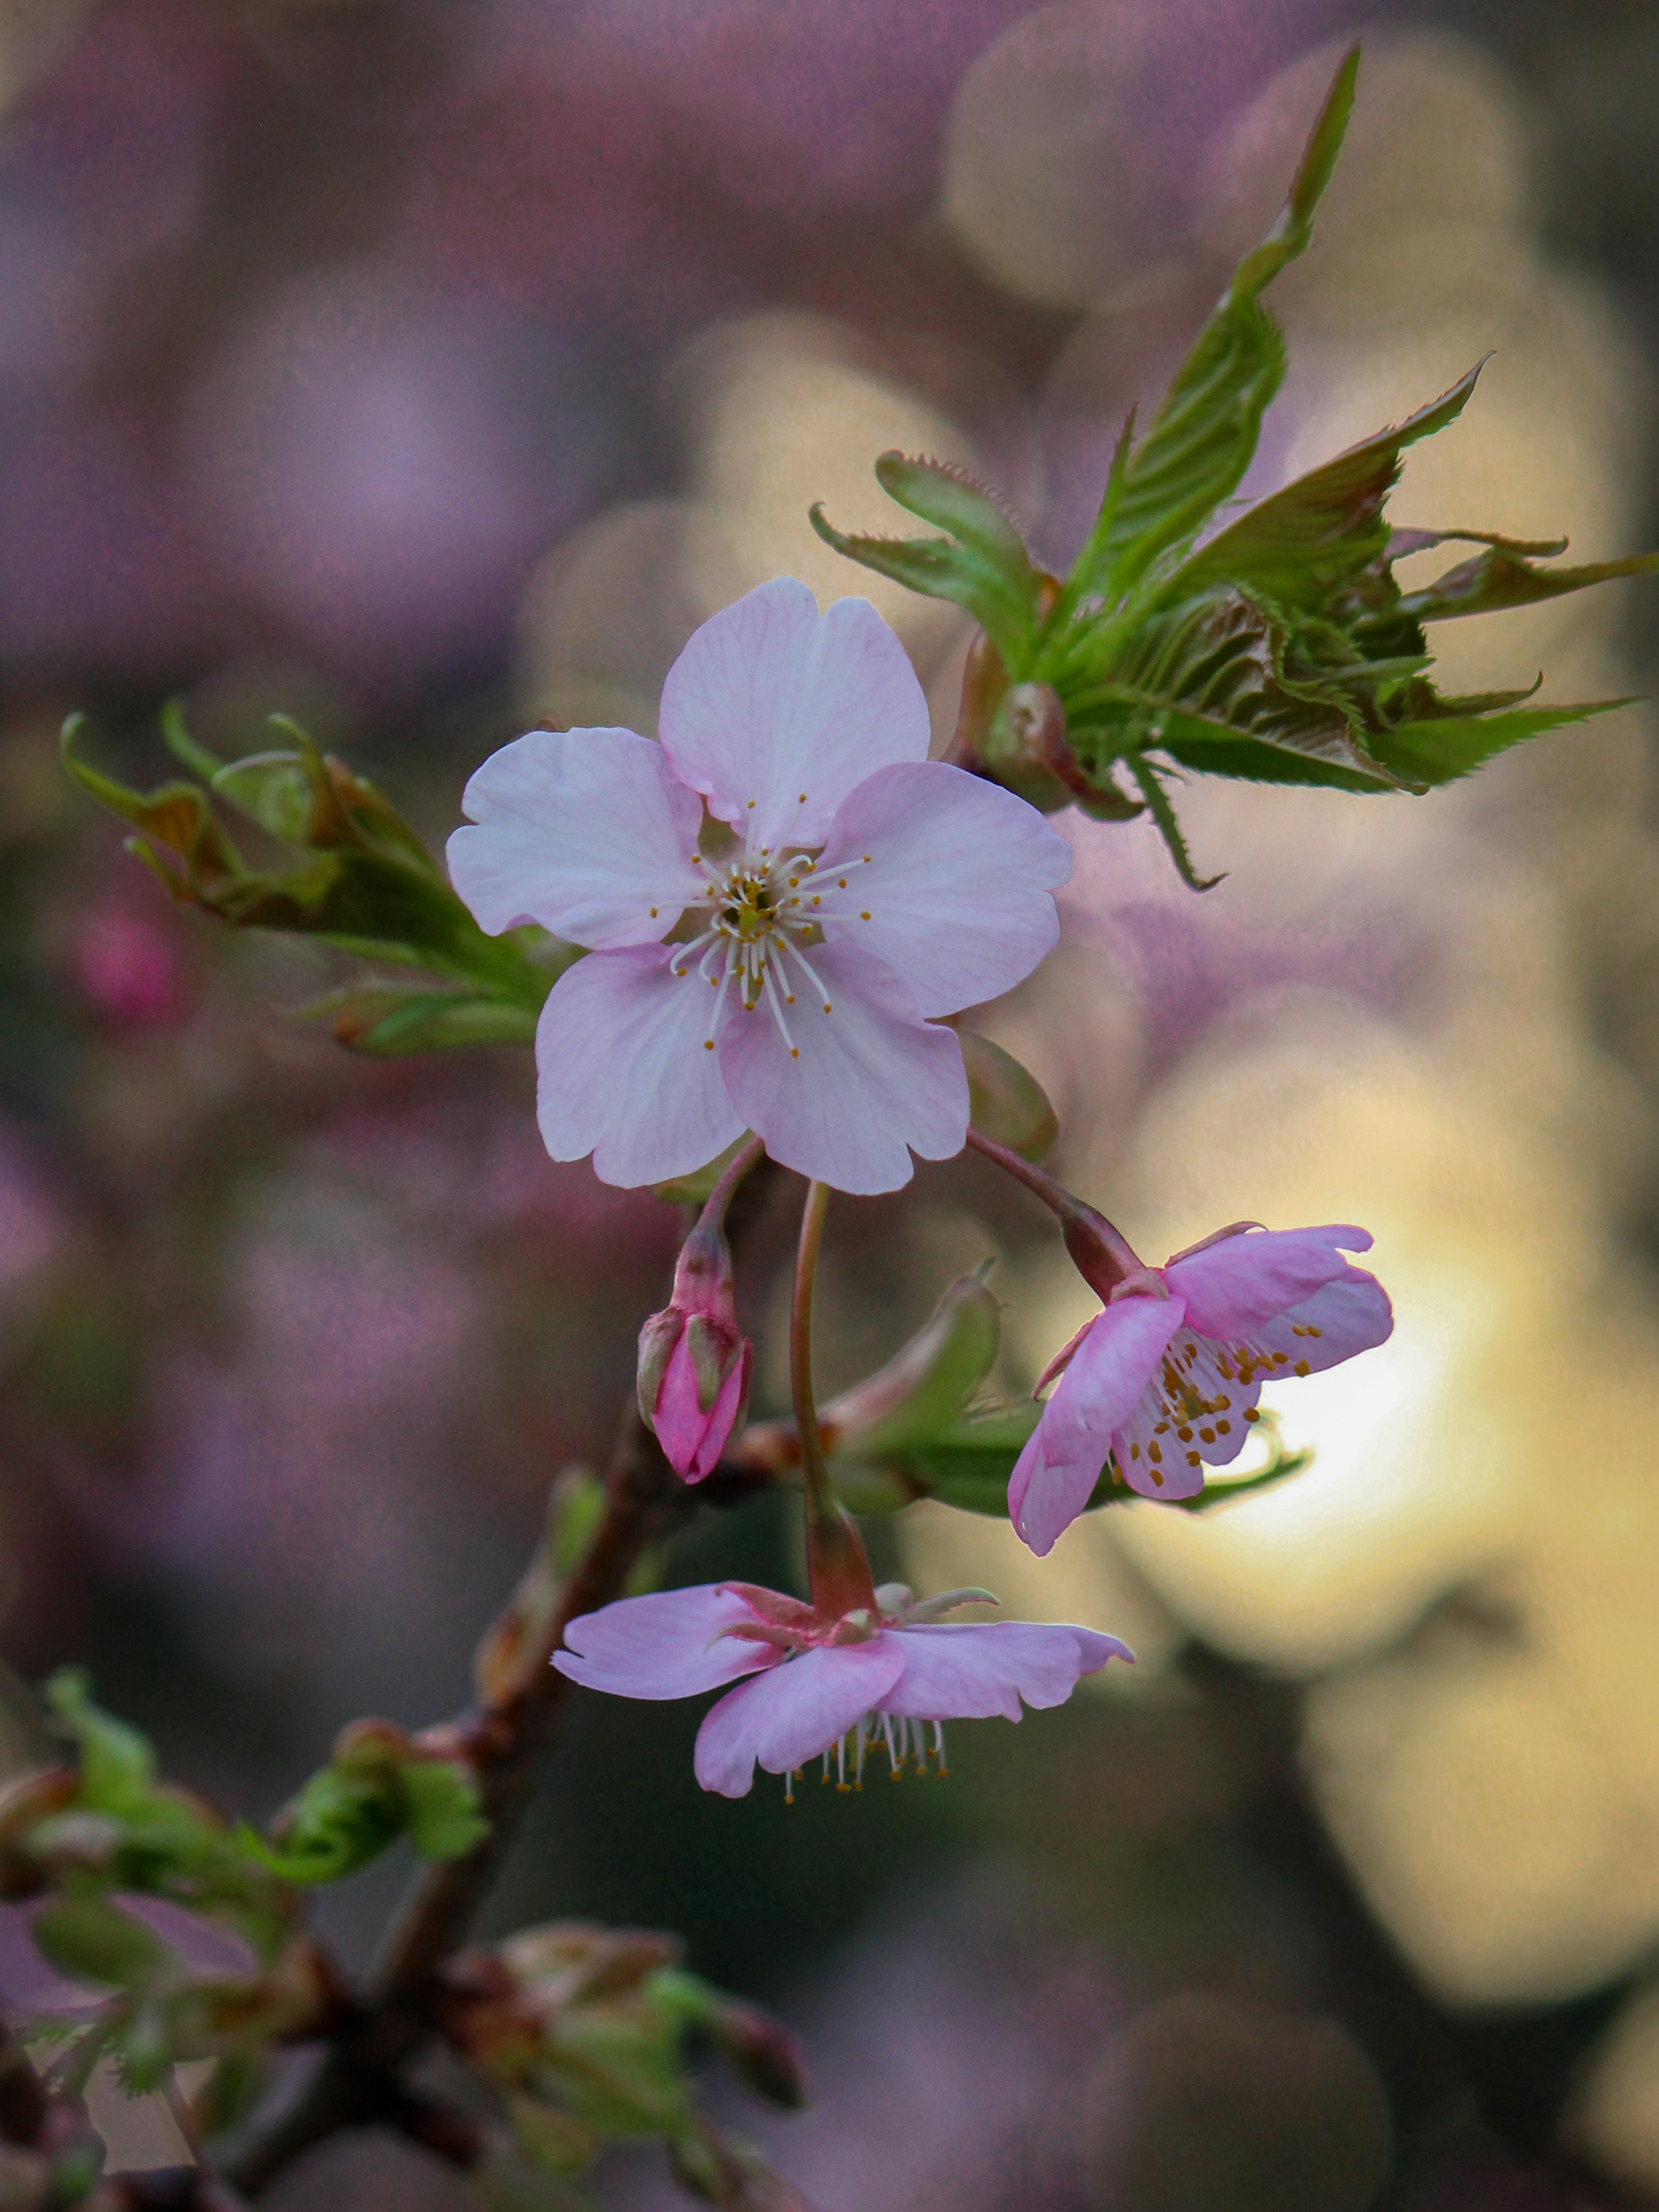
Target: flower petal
{"x":792,"y":1714}
{"x":623,"y":1071}
{"x":945,"y":879}
{"x":666,"y":1645}
{"x":1098,"y":1394}
{"x":856,"y":1088}
{"x":970,"y":1671}
{"x":776,"y":711}
{"x":1348,"y":1316}
{"x":1232,"y":1287}
{"x":588,"y":832}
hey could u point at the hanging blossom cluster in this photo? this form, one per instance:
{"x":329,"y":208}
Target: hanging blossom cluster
{"x":780,"y":896}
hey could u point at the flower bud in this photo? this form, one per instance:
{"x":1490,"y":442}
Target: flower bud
{"x":694,"y":1361}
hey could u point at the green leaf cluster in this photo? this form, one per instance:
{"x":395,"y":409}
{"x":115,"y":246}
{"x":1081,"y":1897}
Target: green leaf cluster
{"x":86,"y":1842}
{"x":590,"y":2035}
{"x":1277,"y":648}
{"x":349,"y":873}
{"x":380,"y":1785}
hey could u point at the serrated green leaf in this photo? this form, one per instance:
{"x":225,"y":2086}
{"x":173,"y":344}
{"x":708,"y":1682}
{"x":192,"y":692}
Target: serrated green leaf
{"x":1442,"y":748}
{"x":982,"y":565}
{"x":1503,"y":577}
{"x":1202,"y":440}
{"x":1301,"y":545}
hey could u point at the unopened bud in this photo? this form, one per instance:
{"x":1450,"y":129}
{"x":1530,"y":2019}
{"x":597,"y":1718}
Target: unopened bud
{"x":694,"y":1361}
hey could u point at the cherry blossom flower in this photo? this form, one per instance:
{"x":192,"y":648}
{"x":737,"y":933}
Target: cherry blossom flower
{"x":780,"y":961}
{"x":822,"y":1688}
{"x":1166,"y":1379}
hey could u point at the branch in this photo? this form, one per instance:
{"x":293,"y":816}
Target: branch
{"x":355,"y":2081}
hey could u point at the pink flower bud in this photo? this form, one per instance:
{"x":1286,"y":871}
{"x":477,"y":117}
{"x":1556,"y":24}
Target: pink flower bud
{"x":694,"y":1361}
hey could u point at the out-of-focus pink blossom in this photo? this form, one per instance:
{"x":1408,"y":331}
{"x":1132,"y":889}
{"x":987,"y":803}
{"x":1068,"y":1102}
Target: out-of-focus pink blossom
{"x":863,"y":892}
{"x":1167,"y":1377}
{"x":825,"y":1686}
{"x":31,"y":1989}
{"x":694,"y":1361}
{"x":127,"y":967}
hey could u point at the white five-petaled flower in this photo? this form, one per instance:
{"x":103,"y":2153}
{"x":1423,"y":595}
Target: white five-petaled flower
{"x":780,"y":963}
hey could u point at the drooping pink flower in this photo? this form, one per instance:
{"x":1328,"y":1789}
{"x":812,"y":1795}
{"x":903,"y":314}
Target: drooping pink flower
{"x":694,"y":1361}
{"x":1166,"y":1379}
{"x":780,"y":964}
{"x":822,"y":1688}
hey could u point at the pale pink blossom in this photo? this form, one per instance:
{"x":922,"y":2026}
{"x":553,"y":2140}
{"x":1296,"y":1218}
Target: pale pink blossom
{"x":781,"y":898}
{"x":1166,"y":1379}
{"x":821,"y":1688}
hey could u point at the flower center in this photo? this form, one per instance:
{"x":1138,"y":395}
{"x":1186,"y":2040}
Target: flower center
{"x":761,"y":917}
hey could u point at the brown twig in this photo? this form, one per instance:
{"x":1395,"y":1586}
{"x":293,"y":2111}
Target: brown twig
{"x":356,"y":2080}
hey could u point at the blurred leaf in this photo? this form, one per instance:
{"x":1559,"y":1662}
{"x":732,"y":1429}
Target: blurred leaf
{"x":118,"y":1765}
{"x":387,"y":1019}
{"x":982,"y":565}
{"x":93,"y":1941}
{"x":442,"y":1809}
{"x":1005,"y":1101}
{"x":551,"y":2139}
{"x":922,"y":1391}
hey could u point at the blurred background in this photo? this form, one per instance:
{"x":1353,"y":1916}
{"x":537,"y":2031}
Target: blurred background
{"x":423,"y":369}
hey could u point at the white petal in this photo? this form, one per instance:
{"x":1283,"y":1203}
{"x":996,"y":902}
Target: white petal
{"x":866,"y":1083}
{"x":588,"y":832}
{"x":955,"y":875}
{"x":776,"y":712}
{"x":623,"y":1070}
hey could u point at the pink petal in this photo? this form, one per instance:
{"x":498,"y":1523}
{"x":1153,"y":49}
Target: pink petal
{"x":1232,"y":1287}
{"x":212,"y":1951}
{"x":667,"y":1645}
{"x":866,"y":1084}
{"x":955,"y":875}
{"x":30,"y":1988}
{"x":791,"y":1715}
{"x":692,"y":1440}
{"x":1350,"y":1314}
{"x":775,"y":712}
{"x":588,"y":832}
{"x":623,"y":1070}
{"x":1056,"y":1472}
{"x":1096,"y":1648}
{"x":972,"y":1671}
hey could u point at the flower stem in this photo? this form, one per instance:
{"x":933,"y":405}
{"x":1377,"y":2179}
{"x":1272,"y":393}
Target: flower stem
{"x":1101,"y":1253}
{"x":714,"y":1212}
{"x":837,"y":1568}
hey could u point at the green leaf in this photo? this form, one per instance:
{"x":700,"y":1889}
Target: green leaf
{"x":1303,"y":544}
{"x":1502,"y":577}
{"x":1005,"y":1101}
{"x":342,"y":1818}
{"x":968,"y":1464}
{"x":923,"y":1389}
{"x":982,"y":565}
{"x":445,"y":1816}
{"x":1440,"y":749}
{"x":118,"y":1765}
{"x":1201,"y":439}
{"x":91,"y":1940}
{"x":390,"y":1019}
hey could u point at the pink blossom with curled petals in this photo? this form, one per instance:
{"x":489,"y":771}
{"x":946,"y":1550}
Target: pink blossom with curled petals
{"x":834,"y":1690}
{"x":781,"y":898}
{"x":1165,"y":1380}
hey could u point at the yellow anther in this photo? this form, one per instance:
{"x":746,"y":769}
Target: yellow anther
{"x":1206,"y":1435}
{"x":1302,"y":1368}
{"x":1251,"y":1413}
{"x":1224,"y":1428}
{"x":863,"y":917}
